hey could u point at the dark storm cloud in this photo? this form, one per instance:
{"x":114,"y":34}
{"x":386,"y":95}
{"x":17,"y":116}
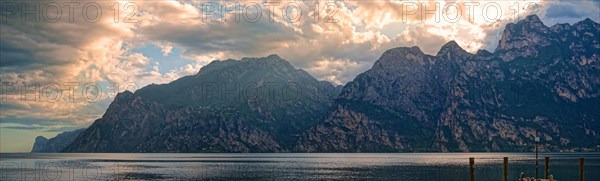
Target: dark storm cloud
{"x":11,"y":56}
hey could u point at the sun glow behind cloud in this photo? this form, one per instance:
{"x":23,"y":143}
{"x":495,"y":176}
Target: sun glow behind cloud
{"x":117,"y":50}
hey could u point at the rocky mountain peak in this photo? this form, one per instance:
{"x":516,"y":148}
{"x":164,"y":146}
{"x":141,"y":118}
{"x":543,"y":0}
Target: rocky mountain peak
{"x":269,"y":58}
{"x":533,"y":19}
{"x":400,"y":56}
{"x":530,"y":23}
{"x":451,"y":47}
{"x":560,"y":27}
{"x":123,"y":96}
{"x":274,"y":57}
{"x":41,"y":139}
{"x":271,"y":62}
{"x":415,"y":50}
{"x":587,"y":23}
{"x":523,"y":38}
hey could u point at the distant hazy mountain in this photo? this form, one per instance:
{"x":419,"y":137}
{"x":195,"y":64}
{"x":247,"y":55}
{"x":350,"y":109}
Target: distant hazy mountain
{"x":248,"y":105}
{"x":539,"y":78}
{"x":56,"y":144}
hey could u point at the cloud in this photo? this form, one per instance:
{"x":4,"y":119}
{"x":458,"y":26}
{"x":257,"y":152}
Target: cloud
{"x":32,"y":127}
{"x":336,"y":71}
{"x":78,"y":51}
{"x":33,"y":122}
{"x":107,"y":51}
{"x":563,"y":11}
{"x":569,"y":11}
{"x":39,"y":128}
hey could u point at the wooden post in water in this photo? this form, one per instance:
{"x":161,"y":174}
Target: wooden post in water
{"x":580,"y":169}
{"x":505,"y":168}
{"x":472,"y":168}
{"x":537,"y":139}
{"x":547,"y":167}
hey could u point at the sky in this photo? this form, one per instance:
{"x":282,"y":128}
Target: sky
{"x":61,"y":63}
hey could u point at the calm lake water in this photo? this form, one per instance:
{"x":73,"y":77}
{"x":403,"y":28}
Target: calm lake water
{"x":289,"y":166}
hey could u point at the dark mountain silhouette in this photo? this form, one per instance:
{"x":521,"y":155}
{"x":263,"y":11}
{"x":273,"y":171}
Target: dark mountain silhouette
{"x":56,"y":144}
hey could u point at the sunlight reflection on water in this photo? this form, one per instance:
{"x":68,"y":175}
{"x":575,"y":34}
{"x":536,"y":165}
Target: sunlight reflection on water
{"x":285,"y":166}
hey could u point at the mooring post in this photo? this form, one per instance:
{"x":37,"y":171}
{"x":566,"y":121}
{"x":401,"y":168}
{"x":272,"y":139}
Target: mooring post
{"x":547,"y":167}
{"x":537,"y":139}
{"x":472,"y":168}
{"x":505,"y":168}
{"x":580,"y":169}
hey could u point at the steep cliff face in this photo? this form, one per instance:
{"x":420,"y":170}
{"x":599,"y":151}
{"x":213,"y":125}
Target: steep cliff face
{"x":56,"y":144}
{"x":540,"y":78}
{"x":248,"y":105}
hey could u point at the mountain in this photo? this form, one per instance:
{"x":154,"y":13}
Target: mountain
{"x":539,"y":78}
{"x":247,"y":105}
{"x":56,"y":144}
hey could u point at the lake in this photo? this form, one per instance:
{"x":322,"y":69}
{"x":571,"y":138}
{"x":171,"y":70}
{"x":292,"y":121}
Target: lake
{"x":288,"y":166}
